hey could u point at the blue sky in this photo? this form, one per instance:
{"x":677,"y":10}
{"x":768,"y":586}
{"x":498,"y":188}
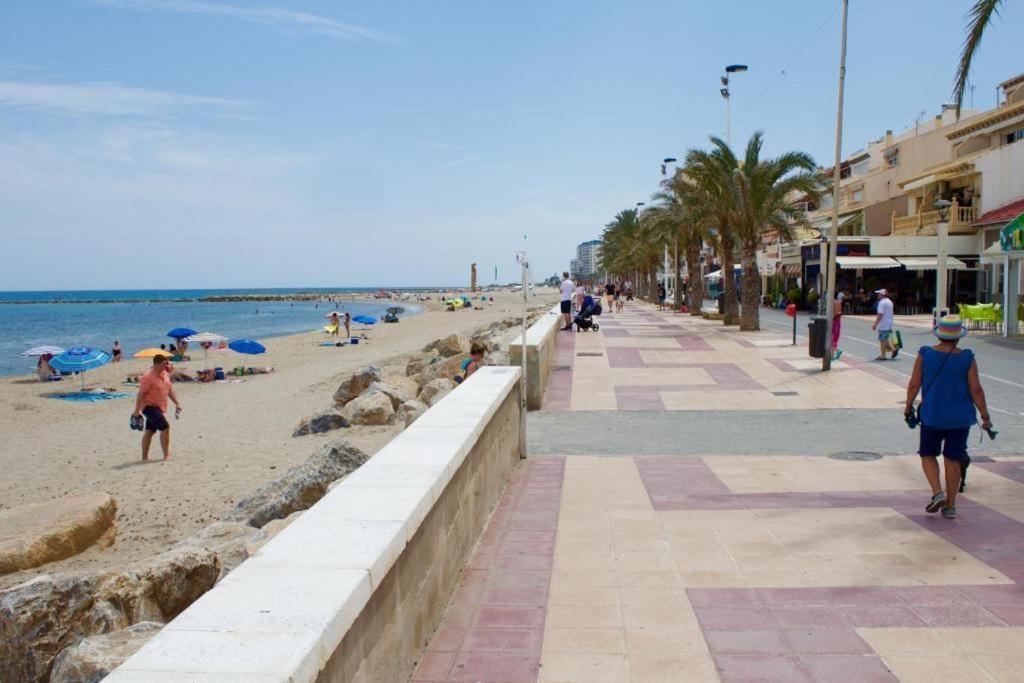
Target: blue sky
{"x":200,"y":143}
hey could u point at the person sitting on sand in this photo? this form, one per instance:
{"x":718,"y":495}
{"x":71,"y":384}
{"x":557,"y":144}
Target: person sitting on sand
{"x":473,"y":363}
{"x":154,"y":390}
{"x":44,"y":369}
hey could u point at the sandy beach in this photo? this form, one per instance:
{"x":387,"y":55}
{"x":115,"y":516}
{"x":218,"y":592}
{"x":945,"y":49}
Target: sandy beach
{"x":231,"y":437}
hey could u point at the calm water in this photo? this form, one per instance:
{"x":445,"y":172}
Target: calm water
{"x":140,"y":318}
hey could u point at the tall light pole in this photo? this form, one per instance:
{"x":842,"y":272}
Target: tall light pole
{"x":676,"y":285}
{"x":942,"y":206}
{"x":639,"y":208}
{"x":833,"y":237}
{"x":731,"y":69}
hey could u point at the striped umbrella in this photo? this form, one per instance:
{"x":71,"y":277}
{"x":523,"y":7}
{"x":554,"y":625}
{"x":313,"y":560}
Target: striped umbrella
{"x":206,"y":340}
{"x":43,"y":350}
{"x":80,"y":359}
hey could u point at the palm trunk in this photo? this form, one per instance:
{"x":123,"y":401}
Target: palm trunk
{"x":728,"y":280}
{"x":677,"y":295}
{"x":695,"y":294}
{"x":750,"y":314}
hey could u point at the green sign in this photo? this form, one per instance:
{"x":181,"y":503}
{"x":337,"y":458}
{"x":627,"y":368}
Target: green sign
{"x":1011,"y":237}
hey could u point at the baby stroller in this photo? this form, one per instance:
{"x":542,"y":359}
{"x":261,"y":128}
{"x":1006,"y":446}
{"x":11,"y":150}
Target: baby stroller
{"x":584,"y":318}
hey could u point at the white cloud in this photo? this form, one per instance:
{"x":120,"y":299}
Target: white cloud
{"x":111,"y":99}
{"x":303,"y":21}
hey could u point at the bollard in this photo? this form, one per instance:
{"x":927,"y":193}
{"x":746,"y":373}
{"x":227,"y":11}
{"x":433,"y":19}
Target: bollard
{"x":791,"y":312}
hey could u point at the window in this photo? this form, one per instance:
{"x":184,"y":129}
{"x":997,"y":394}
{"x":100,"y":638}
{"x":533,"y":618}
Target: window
{"x":1014,"y":136}
{"x":892,"y":158}
{"x":858,"y":195}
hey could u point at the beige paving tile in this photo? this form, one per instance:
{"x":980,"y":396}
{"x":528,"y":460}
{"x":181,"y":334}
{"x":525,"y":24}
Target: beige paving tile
{"x":905,"y":641}
{"x":591,"y":616}
{"x":585,"y":640}
{"x":659,"y":614}
{"x":566,"y":593}
{"x":1005,"y":668}
{"x":692,"y":667}
{"x":560,"y":667}
{"x":986,"y":641}
{"x":661,"y":644}
{"x":928,"y":669}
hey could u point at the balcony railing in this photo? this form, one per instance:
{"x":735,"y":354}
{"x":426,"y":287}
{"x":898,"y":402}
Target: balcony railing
{"x":924,"y":223}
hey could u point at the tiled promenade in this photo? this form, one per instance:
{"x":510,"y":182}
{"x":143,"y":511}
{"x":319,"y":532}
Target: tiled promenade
{"x":733,"y":568}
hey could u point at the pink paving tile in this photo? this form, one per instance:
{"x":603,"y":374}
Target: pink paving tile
{"x":493,"y":627}
{"x":558,"y":394}
{"x":433,"y":666}
{"x":775,"y":597}
{"x":518,"y":640}
{"x":1012,"y":615}
{"x":861,"y":596}
{"x":496,"y":666}
{"x":826,"y":642}
{"x":813,"y":617}
{"x":756,"y":642}
{"x":931,"y":595}
{"x":860,"y":668}
{"x":734,"y":618}
{"x":761,"y":668}
{"x":882,"y":616}
{"x":724,"y":597}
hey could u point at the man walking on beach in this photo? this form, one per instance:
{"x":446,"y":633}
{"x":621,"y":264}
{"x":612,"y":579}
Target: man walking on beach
{"x":568,"y":289}
{"x":884,"y":324}
{"x":154,"y":390}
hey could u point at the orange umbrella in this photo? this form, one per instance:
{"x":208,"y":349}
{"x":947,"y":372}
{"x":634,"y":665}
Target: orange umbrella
{"x":149,"y":353}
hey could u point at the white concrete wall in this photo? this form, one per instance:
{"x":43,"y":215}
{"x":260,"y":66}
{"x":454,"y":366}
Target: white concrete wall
{"x":1002,"y":179}
{"x":540,"y":353}
{"x":283,"y":613}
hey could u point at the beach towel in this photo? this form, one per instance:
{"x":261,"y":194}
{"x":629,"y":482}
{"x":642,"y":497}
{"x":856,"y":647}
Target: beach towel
{"x":87,"y":397}
{"x":331,"y":329}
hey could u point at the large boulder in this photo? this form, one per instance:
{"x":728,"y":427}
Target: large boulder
{"x":93,"y":658}
{"x":395,"y":395}
{"x":228,"y":540}
{"x":37,"y":533}
{"x":370,"y":409}
{"x":300,"y":486}
{"x":420,"y":360}
{"x":451,"y":345}
{"x":407,"y":385}
{"x":324,"y":421}
{"x":43,"y":616}
{"x":447,"y":368}
{"x":410,"y":411}
{"x":356,"y":383}
{"x":435,"y":390}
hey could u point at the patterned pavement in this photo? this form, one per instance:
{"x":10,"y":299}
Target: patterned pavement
{"x":732,"y":568}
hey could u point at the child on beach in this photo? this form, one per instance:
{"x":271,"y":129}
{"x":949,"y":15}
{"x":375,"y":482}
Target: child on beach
{"x":473,"y":363}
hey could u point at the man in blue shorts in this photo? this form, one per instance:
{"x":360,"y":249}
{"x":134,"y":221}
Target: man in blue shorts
{"x":884,"y":324}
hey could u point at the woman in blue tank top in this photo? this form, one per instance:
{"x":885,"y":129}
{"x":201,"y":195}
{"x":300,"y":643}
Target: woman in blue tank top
{"x":947,"y":378}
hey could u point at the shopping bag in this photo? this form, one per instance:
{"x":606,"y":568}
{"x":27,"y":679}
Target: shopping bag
{"x":898,"y":343}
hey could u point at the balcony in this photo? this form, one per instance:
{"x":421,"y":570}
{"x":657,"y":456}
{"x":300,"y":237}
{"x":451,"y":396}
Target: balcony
{"x":924,"y":224}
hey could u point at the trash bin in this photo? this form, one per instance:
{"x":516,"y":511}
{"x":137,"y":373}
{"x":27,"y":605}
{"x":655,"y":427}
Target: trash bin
{"x":721,"y":303}
{"x":816,"y":336}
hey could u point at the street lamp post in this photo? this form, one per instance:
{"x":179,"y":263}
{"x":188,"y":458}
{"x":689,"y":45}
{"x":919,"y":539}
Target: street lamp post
{"x":833,"y":238}
{"x":942,"y":206}
{"x":639,"y":208}
{"x":731,"y":69}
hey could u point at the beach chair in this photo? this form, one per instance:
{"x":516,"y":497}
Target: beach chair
{"x":48,"y":377}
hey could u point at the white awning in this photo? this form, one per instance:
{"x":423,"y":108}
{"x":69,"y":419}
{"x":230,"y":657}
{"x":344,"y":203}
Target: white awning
{"x":931,"y":263}
{"x":927,"y":180}
{"x":866,"y":262}
{"x":994,"y":254}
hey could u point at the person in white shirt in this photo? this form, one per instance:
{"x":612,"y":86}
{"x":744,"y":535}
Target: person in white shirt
{"x":568,"y":288}
{"x":884,"y":324}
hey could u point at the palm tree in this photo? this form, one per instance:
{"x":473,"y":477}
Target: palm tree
{"x":707,"y":177}
{"x":676,"y":222}
{"x":762,"y":194}
{"x":618,"y":253}
{"x":979,"y":19}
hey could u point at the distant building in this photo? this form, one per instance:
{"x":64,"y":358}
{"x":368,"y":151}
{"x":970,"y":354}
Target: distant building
{"x":574,"y":269}
{"x":587,"y":256}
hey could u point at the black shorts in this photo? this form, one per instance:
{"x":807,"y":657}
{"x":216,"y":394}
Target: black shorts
{"x":952,"y":443}
{"x":567,"y":306}
{"x":155,"y":420}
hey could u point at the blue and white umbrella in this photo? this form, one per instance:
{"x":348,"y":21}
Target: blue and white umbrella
{"x":80,"y":359}
{"x":206,"y":340}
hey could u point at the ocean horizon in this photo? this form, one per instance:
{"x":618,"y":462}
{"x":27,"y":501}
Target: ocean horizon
{"x":141,"y":318}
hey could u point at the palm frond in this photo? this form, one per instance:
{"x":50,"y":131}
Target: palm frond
{"x":979,"y":18}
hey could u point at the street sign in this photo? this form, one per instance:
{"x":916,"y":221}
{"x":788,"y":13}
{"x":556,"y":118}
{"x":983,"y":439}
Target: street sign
{"x":1011,"y":237}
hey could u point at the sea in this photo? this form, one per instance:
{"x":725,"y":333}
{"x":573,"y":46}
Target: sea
{"x":141,"y":318}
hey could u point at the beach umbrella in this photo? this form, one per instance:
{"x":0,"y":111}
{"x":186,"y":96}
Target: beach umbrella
{"x":149,"y":353}
{"x":395,"y":310}
{"x":181,"y":332}
{"x":364,"y":319}
{"x":80,"y":359}
{"x":43,"y":350}
{"x":206,"y":340}
{"x":247,"y":346}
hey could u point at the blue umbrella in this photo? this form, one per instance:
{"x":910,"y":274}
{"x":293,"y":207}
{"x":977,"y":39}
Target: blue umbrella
{"x":247,"y":346}
{"x":365,"y":319}
{"x":80,"y":359}
{"x":181,"y":332}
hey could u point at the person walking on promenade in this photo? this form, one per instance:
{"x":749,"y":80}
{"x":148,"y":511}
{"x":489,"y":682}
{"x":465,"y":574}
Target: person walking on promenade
{"x":837,"y":323}
{"x":661,"y":296}
{"x":884,"y":324}
{"x":947,"y":377}
{"x":609,"y":295}
{"x":565,"y":303}
{"x":154,"y":390}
